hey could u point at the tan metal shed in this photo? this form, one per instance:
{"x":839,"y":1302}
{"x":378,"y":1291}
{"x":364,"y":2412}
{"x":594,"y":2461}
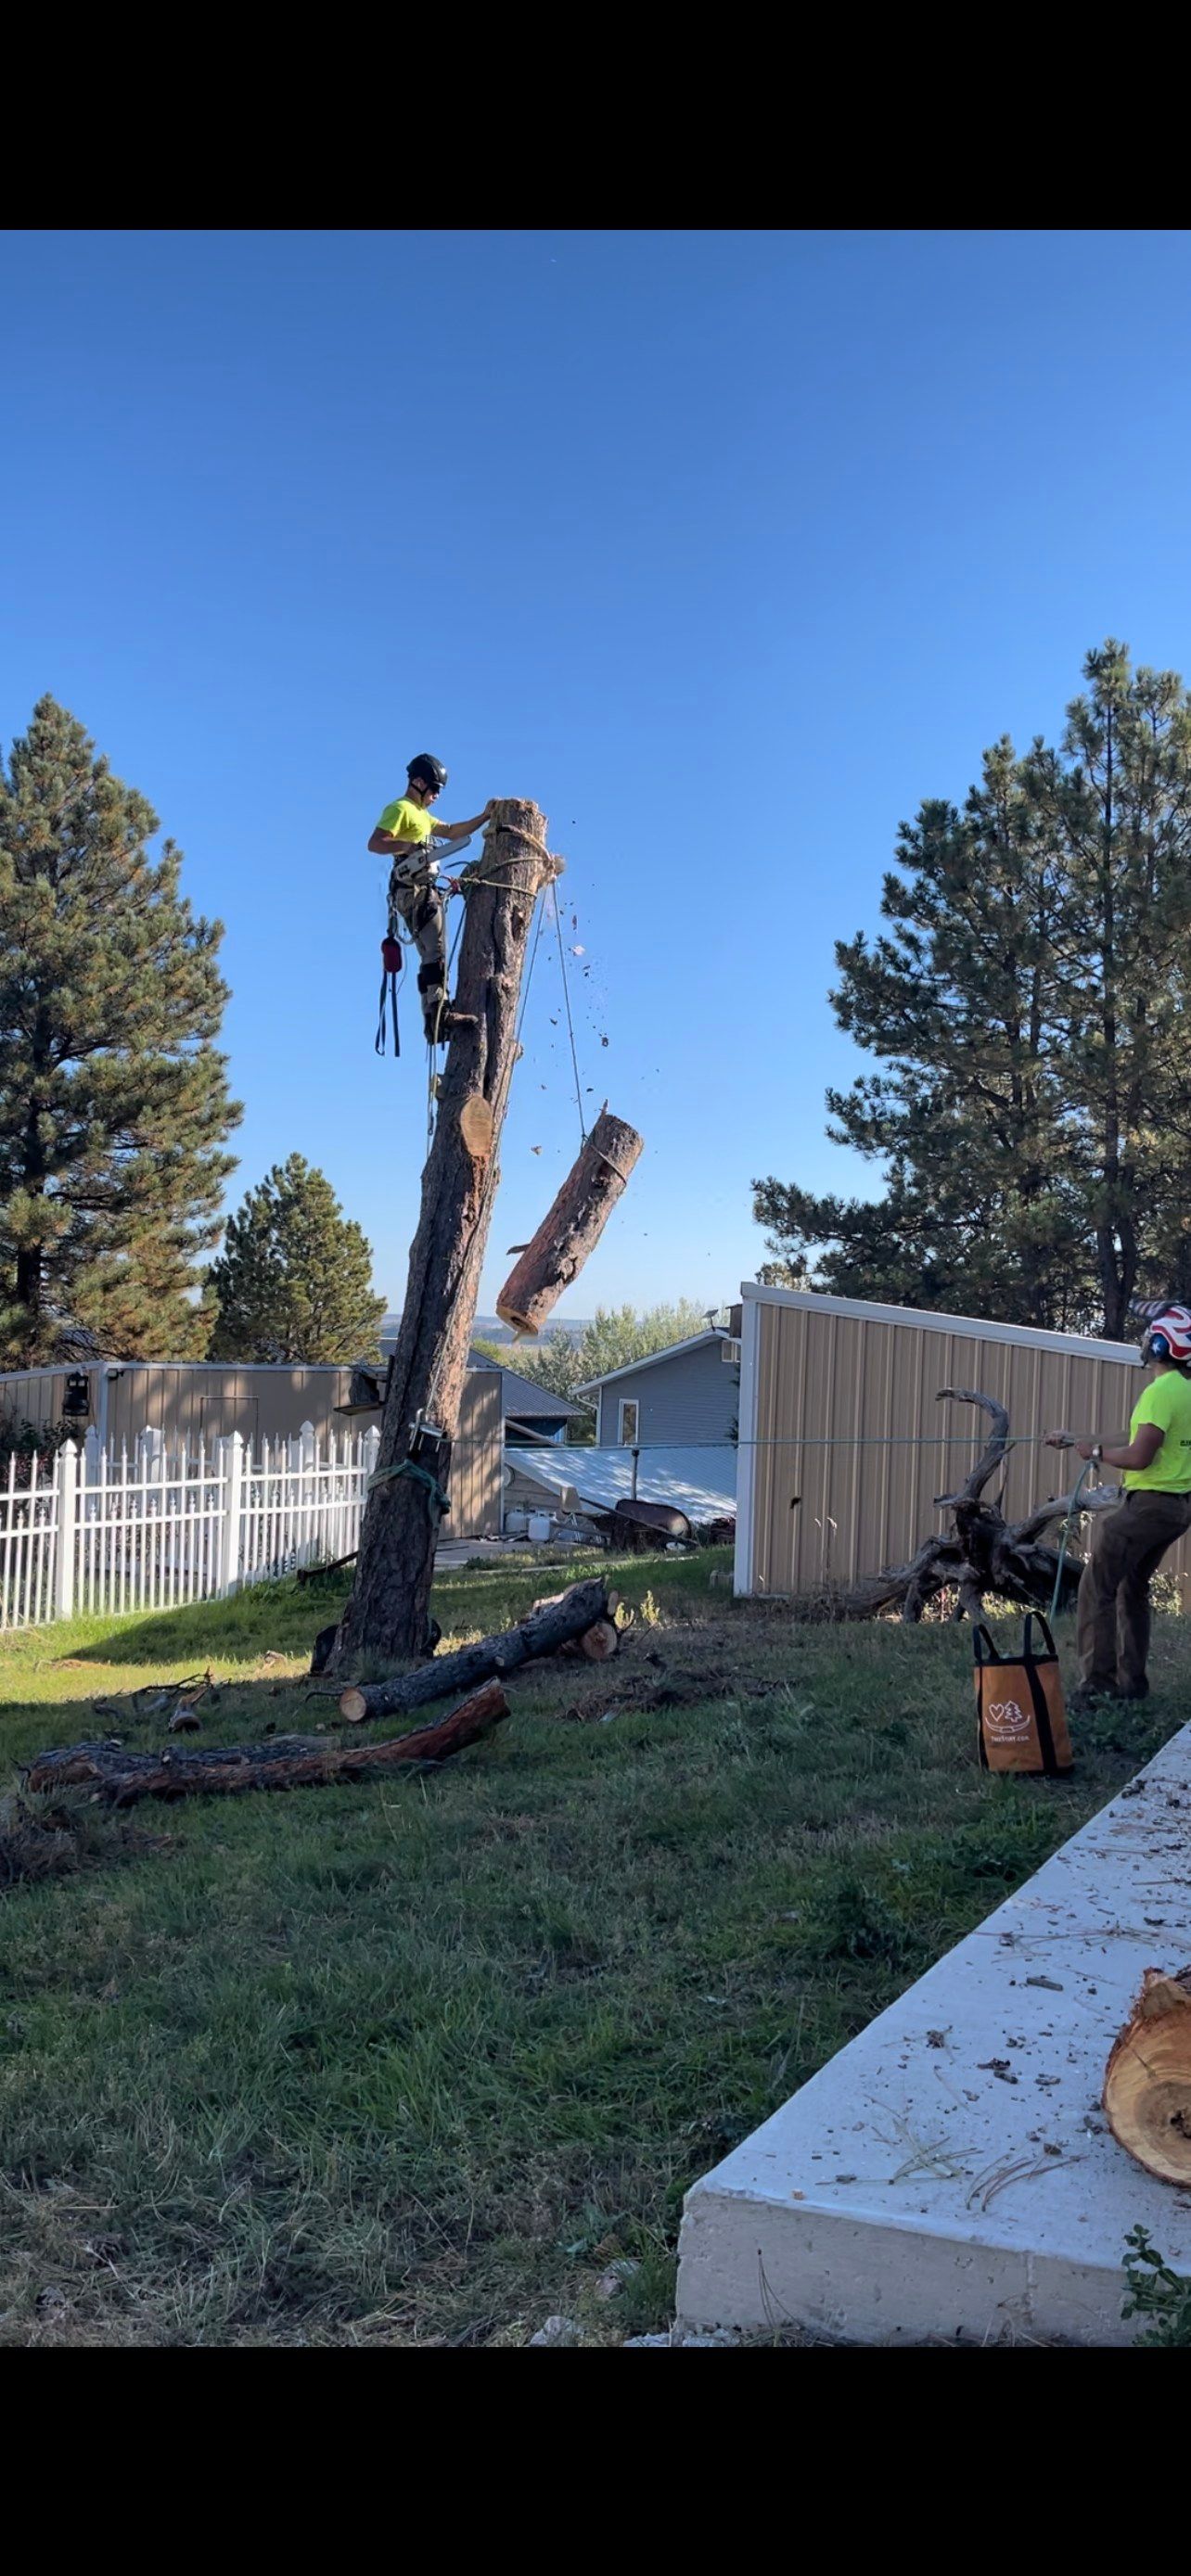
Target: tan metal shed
{"x":194,"y":1402}
{"x":843,"y":1446}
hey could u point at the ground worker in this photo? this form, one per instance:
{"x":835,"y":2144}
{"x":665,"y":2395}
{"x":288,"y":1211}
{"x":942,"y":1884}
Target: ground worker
{"x":403,"y":834}
{"x":1130,"y":1541}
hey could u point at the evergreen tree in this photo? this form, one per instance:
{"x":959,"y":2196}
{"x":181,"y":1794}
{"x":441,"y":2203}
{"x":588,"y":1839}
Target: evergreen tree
{"x":113,"y":1099}
{"x":1029,"y":1000}
{"x":294,"y":1279}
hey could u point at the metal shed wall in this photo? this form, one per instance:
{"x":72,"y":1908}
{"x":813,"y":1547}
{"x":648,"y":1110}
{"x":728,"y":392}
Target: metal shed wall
{"x":835,"y":1395}
{"x":195,"y":1402}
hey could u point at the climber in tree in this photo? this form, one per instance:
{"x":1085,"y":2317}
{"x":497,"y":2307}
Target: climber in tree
{"x":403,"y":834}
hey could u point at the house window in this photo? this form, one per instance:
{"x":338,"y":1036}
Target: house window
{"x":730,"y":1352}
{"x":627,"y":1433}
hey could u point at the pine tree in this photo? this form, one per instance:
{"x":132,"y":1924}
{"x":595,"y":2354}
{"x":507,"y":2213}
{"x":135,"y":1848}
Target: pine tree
{"x":1030,"y":1002}
{"x":294,"y":1279}
{"x":113,"y":1100}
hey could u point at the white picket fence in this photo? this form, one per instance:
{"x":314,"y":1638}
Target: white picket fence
{"x":93,"y":1532}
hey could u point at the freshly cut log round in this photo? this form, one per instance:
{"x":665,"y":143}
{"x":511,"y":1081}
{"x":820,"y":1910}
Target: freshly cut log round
{"x":600,"y":1641}
{"x":1147,"y":2085}
{"x":573,"y":1227}
{"x":476,"y":1125}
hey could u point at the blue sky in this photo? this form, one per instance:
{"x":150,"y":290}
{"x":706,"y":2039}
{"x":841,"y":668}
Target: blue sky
{"x":727,"y":548}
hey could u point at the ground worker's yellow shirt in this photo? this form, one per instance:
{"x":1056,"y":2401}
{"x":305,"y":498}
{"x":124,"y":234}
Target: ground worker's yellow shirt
{"x":406,"y":821}
{"x":1168,"y":1403}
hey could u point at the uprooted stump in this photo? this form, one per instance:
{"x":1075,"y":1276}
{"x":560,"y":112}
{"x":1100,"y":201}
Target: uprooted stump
{"x":983,"y":1553}
{"x":542,"y":1633}
{"x":121,"y":1778}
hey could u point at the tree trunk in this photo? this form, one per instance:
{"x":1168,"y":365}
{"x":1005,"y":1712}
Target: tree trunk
{"x":120,"y":1778}
{"x":573,"y":1227}
{"x":541,"y":1634}
{"x":387,"y":1612}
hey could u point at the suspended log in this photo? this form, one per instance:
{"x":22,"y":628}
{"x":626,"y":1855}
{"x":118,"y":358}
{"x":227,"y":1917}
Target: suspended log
{"x":983,"y":1553}
{"x":573,"y":1227}
{"x":120,"y":1778}
{"x":541,"y":1634}
{"x":386,"y":1615}
{"x":1147,"y":2083}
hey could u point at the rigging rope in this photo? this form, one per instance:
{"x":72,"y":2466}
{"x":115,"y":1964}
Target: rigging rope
{"x":566,"y":995}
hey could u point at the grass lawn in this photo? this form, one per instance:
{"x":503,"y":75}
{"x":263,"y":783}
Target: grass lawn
{"x":418,"y":2062}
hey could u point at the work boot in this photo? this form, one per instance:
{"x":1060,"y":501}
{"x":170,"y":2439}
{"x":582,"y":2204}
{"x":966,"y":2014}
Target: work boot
{"x":447,"y":1023}
{"x":1090,"y":1695}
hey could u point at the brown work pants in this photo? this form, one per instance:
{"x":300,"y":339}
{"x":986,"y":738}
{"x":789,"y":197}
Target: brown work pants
{"x":1113,"y":1609}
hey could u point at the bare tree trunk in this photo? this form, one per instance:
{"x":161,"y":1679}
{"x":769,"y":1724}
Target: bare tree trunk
{"x":573,"y":1227}
{"x":387,"y":1612}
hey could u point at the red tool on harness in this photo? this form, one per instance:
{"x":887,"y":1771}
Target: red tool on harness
{"x":392,"y":962}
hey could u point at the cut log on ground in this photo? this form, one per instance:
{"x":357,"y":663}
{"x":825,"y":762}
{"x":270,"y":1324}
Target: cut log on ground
{"x":386,"y":1615}
{"x":600,"y":1641}
{"x":983,"y":1554}
{"x":573,"y":1227}
{"x":1147,"y":2086}
{"x":541,"y":1634}
{"x":120,"y":1778}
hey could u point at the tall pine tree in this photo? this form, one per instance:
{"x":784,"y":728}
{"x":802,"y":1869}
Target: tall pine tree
{"x":113,"y":1099}
{"x":1029,"y":1001}
{"x":294,"y":1279}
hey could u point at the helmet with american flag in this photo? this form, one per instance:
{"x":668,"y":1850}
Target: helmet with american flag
{"x":1169,"y":1333}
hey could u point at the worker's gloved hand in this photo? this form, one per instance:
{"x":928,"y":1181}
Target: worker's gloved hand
{"x":453,"y":885}
{"x":1059,"y":1440}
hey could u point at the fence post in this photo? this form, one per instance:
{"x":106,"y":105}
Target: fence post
{"x":66,"y":1468}
{"x":233,"y":1498}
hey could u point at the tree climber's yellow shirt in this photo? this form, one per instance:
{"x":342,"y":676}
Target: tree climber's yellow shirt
{"x":1168,"y":1403}
{"x":406,"y":821}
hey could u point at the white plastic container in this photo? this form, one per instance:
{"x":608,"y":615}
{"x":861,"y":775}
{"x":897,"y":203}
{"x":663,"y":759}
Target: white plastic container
{"x":516,"y":1524}
{"x":541,"y":1525}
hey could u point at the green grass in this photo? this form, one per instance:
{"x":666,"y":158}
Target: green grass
{"x":417,"y":2062}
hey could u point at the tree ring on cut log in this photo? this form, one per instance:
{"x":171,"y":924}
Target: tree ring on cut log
{"x":475,"y":1125}
{"x":1147,"y":2083}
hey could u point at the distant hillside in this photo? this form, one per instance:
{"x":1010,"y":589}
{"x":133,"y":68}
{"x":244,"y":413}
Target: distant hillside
{"x":488,"y":1329}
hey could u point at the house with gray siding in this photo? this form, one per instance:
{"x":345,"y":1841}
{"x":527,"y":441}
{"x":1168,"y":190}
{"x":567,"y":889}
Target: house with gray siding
{"x":683,"y":1397}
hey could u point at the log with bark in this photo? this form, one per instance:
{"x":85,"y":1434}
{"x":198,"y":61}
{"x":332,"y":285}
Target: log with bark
{"x":594,"y":1644}
{"x":983,"y":1553}
{"x":120,"y":1778}
{"x":542,"y":1633}
{"x":1147,"y":2084}
{"x":573,"y":1227}
{"x":386,"y":1615}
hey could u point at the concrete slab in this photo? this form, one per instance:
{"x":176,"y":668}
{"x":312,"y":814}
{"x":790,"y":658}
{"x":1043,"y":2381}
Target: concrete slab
{"x":950,"y":2174}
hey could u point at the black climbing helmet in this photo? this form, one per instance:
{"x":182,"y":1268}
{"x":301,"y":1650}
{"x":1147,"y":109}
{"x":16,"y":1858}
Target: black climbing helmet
{"x":430,"y":770}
